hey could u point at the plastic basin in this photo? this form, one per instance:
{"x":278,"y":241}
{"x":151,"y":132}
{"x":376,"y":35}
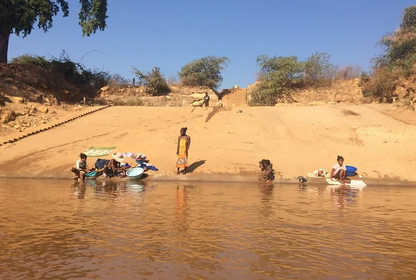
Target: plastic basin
{"x":135,"y":173}
{"x":351,"y":170}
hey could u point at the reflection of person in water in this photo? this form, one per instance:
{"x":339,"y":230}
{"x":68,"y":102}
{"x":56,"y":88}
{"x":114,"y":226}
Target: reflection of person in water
{"x":181,"y":208}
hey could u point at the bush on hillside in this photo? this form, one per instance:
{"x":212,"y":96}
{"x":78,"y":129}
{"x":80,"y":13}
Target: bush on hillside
{"x":348,"y":72}
{"x":31,"y":59}
{"x":89,"y":81}
{"x":153,"y":81}
{"x":205,"y":71}
{"x":318,"y":70}
{"x":277,"y":77}
{"x":397,"y":60}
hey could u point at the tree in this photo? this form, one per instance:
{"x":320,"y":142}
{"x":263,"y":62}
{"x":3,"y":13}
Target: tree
{"x":154,"y":81}
{"x":20,"y":16}
{"x":409,"y":18}
{"x":318,"y":69}
{"x":278,"y":76}
{"x":205,"y":71}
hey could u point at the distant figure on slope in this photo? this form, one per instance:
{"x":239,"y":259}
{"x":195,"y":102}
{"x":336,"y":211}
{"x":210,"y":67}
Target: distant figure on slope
{"x":80,"y":168}
{"x":184,"y":142}
{"x":339,"y":171}
{"x":267,"y":172}
{"x":206,"y":100}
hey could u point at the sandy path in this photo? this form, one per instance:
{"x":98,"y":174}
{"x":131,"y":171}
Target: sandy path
{"x":297,"y":140}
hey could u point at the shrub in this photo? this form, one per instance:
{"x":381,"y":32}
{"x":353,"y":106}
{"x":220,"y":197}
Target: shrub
{"x":277,"y":77}
{"x":153,"y":81}
{"x":397,"y":60}
{"x":32,"y":59}
{"x":318,"y":70}
{"x":382,"y":84}
{"x":89,"y":81}
{"x":134,"y":101}
{"x":348,"y":72}
{"x":205,"y":71}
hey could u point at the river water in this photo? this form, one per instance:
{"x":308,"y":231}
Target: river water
{"x":121,"y":230}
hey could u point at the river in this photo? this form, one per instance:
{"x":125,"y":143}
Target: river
{"x":59,"y":229}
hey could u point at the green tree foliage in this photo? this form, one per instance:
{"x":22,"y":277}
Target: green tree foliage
{"x":318,"y":69}
{"x":88,"y":80}
{"x":409,"y":18}
{"x":21,"y":16}
{"x":279,"y":76}
{"x":205,"y":71}
{"x":396,"y":61}
{"x":153,"y":81}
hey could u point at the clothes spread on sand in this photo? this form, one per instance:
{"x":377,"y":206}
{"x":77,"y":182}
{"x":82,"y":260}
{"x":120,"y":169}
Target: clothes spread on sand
{"x":140,"y":160}
{"x":80,"y":165}
{"x":182,"y":161}
{"x":128,"y":154}
{"x":142,"y":164}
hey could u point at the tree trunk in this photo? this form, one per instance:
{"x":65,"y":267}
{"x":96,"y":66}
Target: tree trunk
{"x":4,"y":46}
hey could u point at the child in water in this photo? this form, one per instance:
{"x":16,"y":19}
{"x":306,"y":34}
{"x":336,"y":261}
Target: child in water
{"x":80,"y":168}
{"x":339,"y":171}
{"x":267,"y":172}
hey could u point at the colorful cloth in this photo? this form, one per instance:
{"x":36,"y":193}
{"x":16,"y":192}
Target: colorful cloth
{"x":99,"y":151}
{"x":182,"y":161}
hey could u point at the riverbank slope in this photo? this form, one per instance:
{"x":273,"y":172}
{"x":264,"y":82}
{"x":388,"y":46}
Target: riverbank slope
{"x":227,"y":143}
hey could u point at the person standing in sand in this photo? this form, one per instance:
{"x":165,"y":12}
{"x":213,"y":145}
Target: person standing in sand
{"x":206,"y":100}
{"x":184,"y":142}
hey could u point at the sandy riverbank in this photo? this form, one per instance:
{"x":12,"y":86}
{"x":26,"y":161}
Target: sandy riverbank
{"x":227,"y":145}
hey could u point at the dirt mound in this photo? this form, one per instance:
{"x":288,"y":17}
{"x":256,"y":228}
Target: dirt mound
{"x":345,"y":91}
{"x":34,"y":84}
{"x":179,"y":96}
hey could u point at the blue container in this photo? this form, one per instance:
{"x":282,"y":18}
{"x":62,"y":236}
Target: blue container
{"x":135,"y":173}
{"x":351,"y":170}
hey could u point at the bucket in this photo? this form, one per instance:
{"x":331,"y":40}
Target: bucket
{"x":351,"y":170}
{"x":135,"y":173}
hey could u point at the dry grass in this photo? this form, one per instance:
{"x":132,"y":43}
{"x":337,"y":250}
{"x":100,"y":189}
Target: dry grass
{"x":133,"y":101}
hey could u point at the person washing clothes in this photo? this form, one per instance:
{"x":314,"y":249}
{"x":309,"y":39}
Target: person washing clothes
{"x":339,"y":171}
{"x":80,"y":168}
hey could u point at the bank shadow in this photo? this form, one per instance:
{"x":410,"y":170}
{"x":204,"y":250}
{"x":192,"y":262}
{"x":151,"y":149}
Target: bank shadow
{"x":191,"y":168}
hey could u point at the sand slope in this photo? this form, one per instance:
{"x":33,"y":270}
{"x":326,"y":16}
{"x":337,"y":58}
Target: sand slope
{"x":297,"y":140}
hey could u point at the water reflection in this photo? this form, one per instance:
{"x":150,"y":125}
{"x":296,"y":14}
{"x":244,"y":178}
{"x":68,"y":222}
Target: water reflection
{"x":129,"y":230}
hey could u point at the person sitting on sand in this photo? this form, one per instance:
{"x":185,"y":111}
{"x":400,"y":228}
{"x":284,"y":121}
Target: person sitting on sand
{"x":80,"y":168}
{"x":267,"y":172}
{"x":114,"y":168}
{"x":184,"y":142}
{"x":339,"y":171}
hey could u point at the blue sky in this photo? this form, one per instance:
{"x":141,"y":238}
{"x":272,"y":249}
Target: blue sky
{"x":169,"y":34}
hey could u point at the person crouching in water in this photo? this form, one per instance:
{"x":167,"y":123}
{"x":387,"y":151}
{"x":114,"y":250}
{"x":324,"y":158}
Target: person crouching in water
{"x":267,"y":172}
{"x":80,"y":168}
{"x":114,"y":167}
{"x":339,"y":171}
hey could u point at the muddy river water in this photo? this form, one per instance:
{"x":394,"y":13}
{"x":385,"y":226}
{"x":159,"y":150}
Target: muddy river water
{"x":121,"y":230}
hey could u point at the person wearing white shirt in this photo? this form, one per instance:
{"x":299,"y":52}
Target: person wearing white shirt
{"x":339,"y":171}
